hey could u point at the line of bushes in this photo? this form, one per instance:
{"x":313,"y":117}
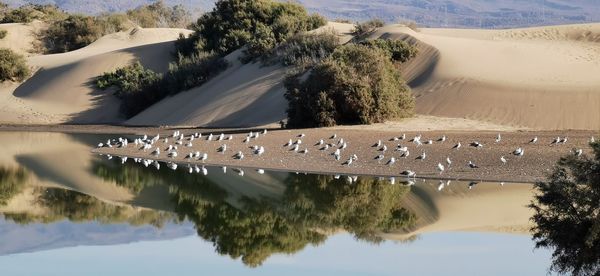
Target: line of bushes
{"x":13,"y":67}
{"x":139,"y":87}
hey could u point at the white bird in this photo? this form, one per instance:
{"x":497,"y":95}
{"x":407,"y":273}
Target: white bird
{"x":519,"y":152}
{"x":428,"y":142}
{"x":221,"y":137}
{"x":383,"y":149}
{"x":223,"y":148}
{"x":472,"y":165}
{"x":209,"y":137}
{"x":354,"y":157}
{"x":288,"y":144}
{"x":392,"y":161}
{"x":534,"y":140}
{"x":326,"y":147}
{"x":379,"y":157}
{"x":240,"y":155}
{"x":260,"y":171}
{"x":302,"y":135}
{"x":172,"y":166}
{"x":296,"y":148}
{"x":448,"y":161}
{"x":349,"y":162}
{"x":592,"y":140}
{"x":260,"y":150}
{"x":578,"y":152}
{"x":476,"y":144}
{"x":344,"y":146}
{"x":402,"y":148}
{"x":100,"y":145}
{"x":409,"y":173}
{"x":196,"y":169}
{"x":440,"y":168}
{"x":189,"y":145}
{"x":564,"y":140}
{"x":498,"y":138}
{"x":304,"y":151}
{"x":422,"y":156}
{"x":156,"y":165}
{"x":204,"y":171}
{"x":378,"y":144}
{"x":156,"y":152}
{"x":405,"y":154}
{"x":320,"y":143}
{"x":173,"y":154}
{"x":298,"y":142}
{"x":333,"y":136}
{"x":457,"y":146}
{"x":204,"y":157}
{"x":503,"y":159}
{"x":442,"y":139}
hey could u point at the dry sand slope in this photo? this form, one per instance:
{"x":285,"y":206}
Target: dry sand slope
{"x":61,"y":90}
{"x":538,"y":78}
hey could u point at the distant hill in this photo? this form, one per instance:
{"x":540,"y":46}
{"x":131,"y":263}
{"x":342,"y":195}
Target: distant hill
{"x":431,"y":13}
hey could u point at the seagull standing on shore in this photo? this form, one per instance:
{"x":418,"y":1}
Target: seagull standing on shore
{"x":498,"y":138}
{"x":519,"y":152}
{"x":391,"y":162}
{"x":457,"y":146}
{"x":503,"y":160}
{"x":472,"y":165}
{"x":440,"y":168}
{"x":448,"y":161}
{"x":422,"y":156}
{"x":578,"y":152}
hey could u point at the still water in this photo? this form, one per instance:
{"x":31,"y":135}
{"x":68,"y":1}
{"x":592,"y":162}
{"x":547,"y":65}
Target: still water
{"x":66,"y":211}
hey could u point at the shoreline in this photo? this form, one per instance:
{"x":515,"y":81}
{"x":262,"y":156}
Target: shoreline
{"x":534,"y":166}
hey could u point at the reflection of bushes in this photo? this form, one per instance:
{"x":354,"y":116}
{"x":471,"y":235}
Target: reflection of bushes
{"x":3,"y":34}
{"x":66,"y":204}
{"x":567,"y":215}
{"x":12,"y":182}
{"x":255,"y":228}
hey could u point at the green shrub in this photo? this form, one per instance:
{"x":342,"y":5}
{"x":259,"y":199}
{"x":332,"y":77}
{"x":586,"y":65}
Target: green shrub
{"x":257,"y":24}
{"x":192,"y":71}
{"x":13,"y":67}
{"x":398,"y":50}
{"x":158,"y":15}
{"x":364,"y":28}
{"x":3,"y":34}
{"x":139,"y":88}
{"x":128,"y":80}
{"x":356,"y":85}
{"x":28,"y":13}
{"x":304,"y":49}
{"x":78,"y":31}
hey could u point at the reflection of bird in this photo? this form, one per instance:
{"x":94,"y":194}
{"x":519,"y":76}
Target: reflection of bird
{"x":472,"y":184}
{"x":441,"y":185}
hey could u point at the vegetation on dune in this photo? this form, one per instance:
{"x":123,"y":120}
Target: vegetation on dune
{"x":257,"y":25}
{"x":397,"y":50}
{"x":362,"y":29}
{"x":304,"y":49}
{"x":28,"y":13}
{"x":567,"y":214}
{"x":357,"y":84}
{"x":139,"y":87}
{"x":13,"y":67}
{"x":158,"y":15}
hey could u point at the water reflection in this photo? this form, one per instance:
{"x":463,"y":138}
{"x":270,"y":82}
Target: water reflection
{"x":51,"y":178}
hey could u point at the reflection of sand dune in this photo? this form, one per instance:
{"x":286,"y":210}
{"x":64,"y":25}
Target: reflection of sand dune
{"x":486,"y":207}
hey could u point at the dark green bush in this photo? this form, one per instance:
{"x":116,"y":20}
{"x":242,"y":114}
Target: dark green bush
{"x":257,"y":24}
{"x":13,"y":67}
{"x":3,"y":34}
{"x":304,"y":49}
{"x":192,"y":71}
{"x":398,"y":50}
{"x":364,"y":28}
{"x":139,"y":88}
{"x":356,"y":85}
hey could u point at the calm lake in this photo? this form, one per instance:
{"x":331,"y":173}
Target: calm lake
{"x":66,"y":211}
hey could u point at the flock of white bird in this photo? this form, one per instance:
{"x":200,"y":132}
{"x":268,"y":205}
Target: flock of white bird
{"x":334,"y":146}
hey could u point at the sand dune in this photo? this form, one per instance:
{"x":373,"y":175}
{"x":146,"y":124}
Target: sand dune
{"x":62,"y":91}
{"x":543,"y":78}
{"x":539,"y":78}
{"x":20,"y":37}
